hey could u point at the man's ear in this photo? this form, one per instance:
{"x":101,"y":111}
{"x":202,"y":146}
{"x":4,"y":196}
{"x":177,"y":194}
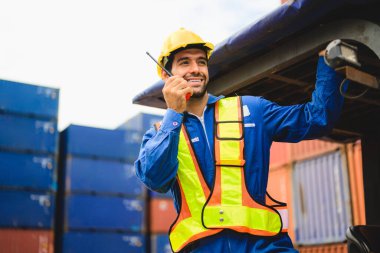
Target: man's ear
{"x":164,"y":75}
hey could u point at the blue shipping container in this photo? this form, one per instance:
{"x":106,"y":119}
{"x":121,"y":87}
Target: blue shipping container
{"x":101,"y":176}
{"x":30,"y":171}
{"x":160,"y":243}
{"x":28,"y":99}
{"x":141,"y":122}
{"x":321,"y":199}
{"x":101,"y":143}
{"x":28,"y":134}
{"x":88,"y":242}
{"x":23,"y":209}
{"x":98,"y":212}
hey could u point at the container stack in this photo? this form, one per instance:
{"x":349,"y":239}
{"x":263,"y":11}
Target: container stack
{"x":28,"y":166}
{"x":101,"y":204}
{"x":162,"y":215}
{"x":161,"y":208}
{"x":322,"y":184}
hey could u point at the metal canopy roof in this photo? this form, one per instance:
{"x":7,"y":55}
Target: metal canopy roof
{"x":276,"y":58}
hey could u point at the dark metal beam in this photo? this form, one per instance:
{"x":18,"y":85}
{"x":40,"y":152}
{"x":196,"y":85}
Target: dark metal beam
{"x":288,"y":80}
{"x":371,"y":178}
{"x":295,"y":50}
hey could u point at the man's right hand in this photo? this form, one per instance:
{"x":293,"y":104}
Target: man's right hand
{"x":175,"y":91}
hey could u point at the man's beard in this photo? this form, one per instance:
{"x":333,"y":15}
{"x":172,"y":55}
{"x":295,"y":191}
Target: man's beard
{"x":203,"y":91}
{"x":200,"y":93}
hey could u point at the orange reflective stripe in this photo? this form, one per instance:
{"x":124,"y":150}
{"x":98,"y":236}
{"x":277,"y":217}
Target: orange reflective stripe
{"x":217,"y":191}
{"x":185,"y":210}
{"x":247,"y":199}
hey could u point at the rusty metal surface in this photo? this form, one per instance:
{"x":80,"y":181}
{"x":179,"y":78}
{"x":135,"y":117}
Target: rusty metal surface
{"x":26,"y":241}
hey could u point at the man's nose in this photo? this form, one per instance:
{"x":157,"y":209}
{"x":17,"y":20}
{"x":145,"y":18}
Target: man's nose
{"x":194,"y":68}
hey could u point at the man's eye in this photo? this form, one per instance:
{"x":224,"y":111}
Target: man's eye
{"x":183,"y":63}
{"x":203,"y":63}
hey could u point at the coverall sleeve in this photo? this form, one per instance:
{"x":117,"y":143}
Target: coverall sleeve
{"x":310,"y":120}
{"x":157,"y":163}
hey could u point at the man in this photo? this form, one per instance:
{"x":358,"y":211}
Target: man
{"x":213,"y":153}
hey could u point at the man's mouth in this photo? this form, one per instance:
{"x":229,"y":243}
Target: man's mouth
{"x":194,"y":81}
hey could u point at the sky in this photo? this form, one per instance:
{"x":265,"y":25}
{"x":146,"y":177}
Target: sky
{"x":94,"y":50}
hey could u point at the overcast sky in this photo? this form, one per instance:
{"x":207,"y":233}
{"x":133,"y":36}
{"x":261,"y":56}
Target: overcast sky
{"x":94,"y":50}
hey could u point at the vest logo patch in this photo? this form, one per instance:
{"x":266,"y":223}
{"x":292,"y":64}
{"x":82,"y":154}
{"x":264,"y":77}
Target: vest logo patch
{"x":249,"y":125}
{"x":195,"y":139}
{"x":246,"y":112}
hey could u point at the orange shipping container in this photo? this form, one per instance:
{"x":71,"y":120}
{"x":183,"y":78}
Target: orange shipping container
{"x":279,"y":187}
{"x":26,"y":241}
{"x":355,"y":169}
{"x":331,"y":248}
{"x":279,"y":154}
{"x":162,"y":215}
{"x":308,"y":149}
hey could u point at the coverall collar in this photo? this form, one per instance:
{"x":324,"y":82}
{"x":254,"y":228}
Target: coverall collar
{"x":213,"y":99}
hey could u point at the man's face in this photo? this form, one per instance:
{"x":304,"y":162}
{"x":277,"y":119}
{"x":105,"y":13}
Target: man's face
{"x":191,"y":64}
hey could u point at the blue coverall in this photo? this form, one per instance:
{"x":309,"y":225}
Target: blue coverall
{"x":264,"y":122}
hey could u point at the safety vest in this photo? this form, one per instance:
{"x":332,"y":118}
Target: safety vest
{"x":229,"y":205}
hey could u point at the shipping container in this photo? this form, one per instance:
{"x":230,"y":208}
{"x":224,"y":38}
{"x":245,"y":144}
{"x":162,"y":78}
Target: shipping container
{"x":101,"y":176}
{"x":97,"y":242}
{"x":328,"y":248}
{"x":29,"y":100}
{"x":321,"y":199}
{"x":157,"y":195}
{"x":141,"y":122}
{"x":162,"y":215}
{"x":280,"y":188}
{"x":22,"y":209}
{"x":279,"y":154}
{"x":311,"y":148}
{"x":98,"y":212}
{"x":23,"y":134}
{"x":26,"y":241}
{"x":355,"y":166}
{"x":160,"y":243}
{"x":100,"y":143}
{"x":28,"y":171}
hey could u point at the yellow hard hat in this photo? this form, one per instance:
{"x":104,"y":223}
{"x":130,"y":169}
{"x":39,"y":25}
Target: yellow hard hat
{"x":181,"y":39}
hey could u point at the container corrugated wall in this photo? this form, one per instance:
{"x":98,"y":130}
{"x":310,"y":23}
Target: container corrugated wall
{"x":160,"y":243}
{"x":141,"y":122}
{"x":284,"y":153}
{"x":102,"y":242}
{"x":162,"y":215}
{"x":280,"y":154}
{"x":311,"y":148}
{"x":354,"y":158}
{"x":26,"y":241}
{"x":321,"y":199}
{"x":330,"y":248}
